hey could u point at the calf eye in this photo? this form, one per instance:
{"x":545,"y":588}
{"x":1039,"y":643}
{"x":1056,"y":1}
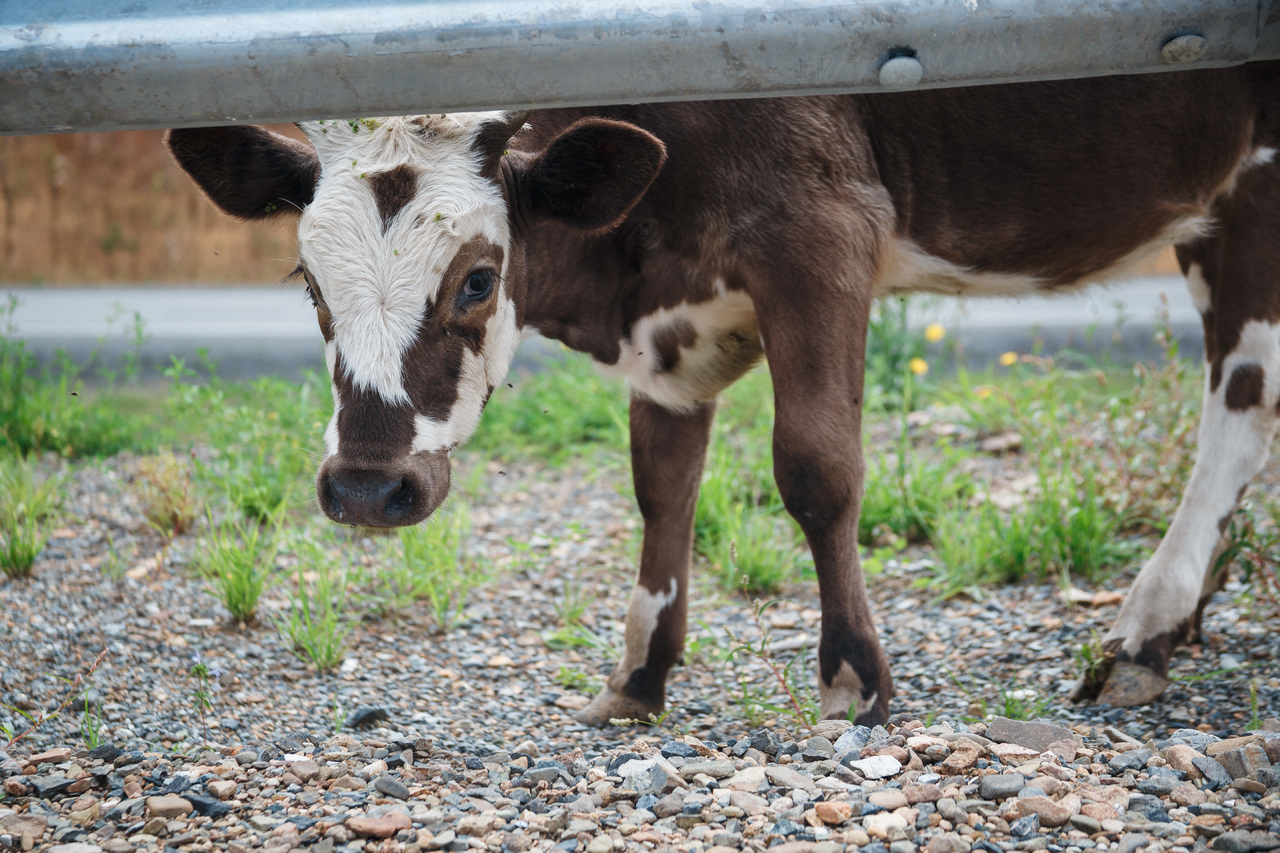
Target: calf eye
{"x":477,"y":286}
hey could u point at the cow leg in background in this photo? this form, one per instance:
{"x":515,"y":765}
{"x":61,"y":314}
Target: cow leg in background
{"x":814,"y":324}
{"x":667,"y":454}
{"x":1234,"y":278}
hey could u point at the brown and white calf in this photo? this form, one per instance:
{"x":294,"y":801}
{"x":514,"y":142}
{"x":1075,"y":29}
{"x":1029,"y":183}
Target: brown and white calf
{"x":678,"y":244}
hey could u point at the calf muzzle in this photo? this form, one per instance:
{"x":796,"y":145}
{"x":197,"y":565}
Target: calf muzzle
{"x":383,"y":496}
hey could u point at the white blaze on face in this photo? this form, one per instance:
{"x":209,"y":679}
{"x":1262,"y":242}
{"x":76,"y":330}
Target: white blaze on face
{"x":379,"y":285}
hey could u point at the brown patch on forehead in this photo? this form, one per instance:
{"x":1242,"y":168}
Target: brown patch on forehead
{"x":392,"y":190}
{"x":668,"y":339}
{"x":371,"y":431}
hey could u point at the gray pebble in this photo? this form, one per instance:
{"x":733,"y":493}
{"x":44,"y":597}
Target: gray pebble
{"x":392,"y":787}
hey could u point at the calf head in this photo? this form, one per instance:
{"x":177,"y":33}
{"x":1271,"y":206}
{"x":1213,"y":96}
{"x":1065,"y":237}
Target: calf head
{"x":411,"y":244}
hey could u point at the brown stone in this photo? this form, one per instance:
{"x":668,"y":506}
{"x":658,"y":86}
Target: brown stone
{"x":1188,"y":795}
{"x":833,"y":813}
{"x":50,"y":756}
{"x":305,"y":770}
{"x":926,"y":793}
{"x":477,"y":825}
{"x":168,"y":806}
{"x":1243,"y":761}
{"x":23,"y":824}
{"x":1099,"y":811}
{"x":1217,"y":747}
{"x":1180,"y":756}
{"x":964,"y":755}
{"x":14,"y":786}
{"x":889,"y":799}
{"x":223,"y":789}
{"x":1051,"y":814}
{"x":379,"y":827}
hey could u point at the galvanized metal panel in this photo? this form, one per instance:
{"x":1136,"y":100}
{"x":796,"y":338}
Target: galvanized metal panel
{"x":77,"y":65}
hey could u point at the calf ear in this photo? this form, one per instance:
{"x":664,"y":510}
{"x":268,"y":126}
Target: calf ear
{"x":248,"y":171}
{"x":592,"y":174}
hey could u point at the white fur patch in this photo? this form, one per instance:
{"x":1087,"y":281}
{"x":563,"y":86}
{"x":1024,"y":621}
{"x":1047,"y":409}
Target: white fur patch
{"x":331,"y":431}
{"x":378,"y":286}
{"x":843,"y":693}
{"x":1198,"y":287}
{"x":705,"y":368}
{"x":430,"y":435}
{"x":1233,"y":448}
{"x":906,"y":268}
{"x":642,"y":620}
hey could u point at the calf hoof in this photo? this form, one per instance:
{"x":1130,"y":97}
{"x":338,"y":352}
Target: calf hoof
{"x":609,"y":706}
{"x":1130,"y":684}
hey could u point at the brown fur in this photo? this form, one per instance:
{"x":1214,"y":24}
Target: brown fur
{"x":392,"y":190}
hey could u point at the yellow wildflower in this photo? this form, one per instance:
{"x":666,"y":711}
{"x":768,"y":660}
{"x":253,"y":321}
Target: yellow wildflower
{"x":919,"y":366}
{"x":1009,"y":359}
{"x":983,"y":391}
{"x":934,"y":333}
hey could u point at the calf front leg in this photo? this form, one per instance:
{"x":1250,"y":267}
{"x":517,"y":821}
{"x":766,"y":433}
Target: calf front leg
{"x":667,"y":453}
{"x":1234,"y":278}
{"x":816,"y":347}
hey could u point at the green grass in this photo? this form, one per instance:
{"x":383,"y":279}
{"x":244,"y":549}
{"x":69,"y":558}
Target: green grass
{"x":315,"y":623}
{"x":237,"y":559}
{"x":27,"y":502}
{"x":563,"y":411}
{"x":47,"y":409}
{"x":433,"y":566}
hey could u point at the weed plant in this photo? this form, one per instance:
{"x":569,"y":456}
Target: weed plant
{"x":315,"y":624}
{"x":434,"y":567}
{"x":26,"y":503}
{"x":167,"y":493}
{"x":237,"y":558}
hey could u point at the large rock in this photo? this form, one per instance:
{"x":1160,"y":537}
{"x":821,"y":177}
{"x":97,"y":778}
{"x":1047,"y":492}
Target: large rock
{"x":1051,"y":813}
{"x":1037,"y":735}
{"x":379,"y":827}
{"x":785,"y":777}
{"x":168,"y":806}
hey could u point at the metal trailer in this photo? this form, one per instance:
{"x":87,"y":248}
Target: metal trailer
{"x":88,"y":65}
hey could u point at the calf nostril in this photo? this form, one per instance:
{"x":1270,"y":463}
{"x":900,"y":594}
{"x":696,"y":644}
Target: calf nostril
{"x":335,"y":505}
{"x":399,"y":502}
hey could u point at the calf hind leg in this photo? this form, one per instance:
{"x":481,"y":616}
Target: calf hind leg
{"x":1234,"y":278}
{"x":667,"y":454}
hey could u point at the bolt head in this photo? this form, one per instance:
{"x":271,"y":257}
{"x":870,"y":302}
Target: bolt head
{"x":901,"y":72}
{"x":1181,"y":49}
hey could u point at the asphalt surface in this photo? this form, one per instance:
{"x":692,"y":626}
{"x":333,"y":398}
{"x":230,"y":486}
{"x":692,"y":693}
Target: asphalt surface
{"x":270,"y":329}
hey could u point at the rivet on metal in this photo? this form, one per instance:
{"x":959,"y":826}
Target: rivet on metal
{"x":901,"y":72}
{"x":1180,"y":49}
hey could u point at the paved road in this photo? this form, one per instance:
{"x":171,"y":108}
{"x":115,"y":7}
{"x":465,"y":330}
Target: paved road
{"x":271,"y":329}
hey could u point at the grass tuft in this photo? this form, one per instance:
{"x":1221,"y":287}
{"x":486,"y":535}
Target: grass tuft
{"x":237,"y":559}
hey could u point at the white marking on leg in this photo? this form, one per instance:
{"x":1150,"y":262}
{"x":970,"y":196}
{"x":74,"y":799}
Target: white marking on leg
{"x":1198,"y":287}
{"x":844,"y":692}
{"x":1233,"y":448}
{"x":643,"y":613}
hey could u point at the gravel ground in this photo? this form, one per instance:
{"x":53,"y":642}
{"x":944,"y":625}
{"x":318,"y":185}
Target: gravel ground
{"x":467,"y":739}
